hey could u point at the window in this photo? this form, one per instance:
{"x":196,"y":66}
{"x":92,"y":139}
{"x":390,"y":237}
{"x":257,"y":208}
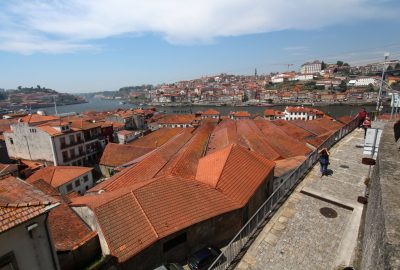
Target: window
{"x":11,"y":141}
{"x":80,"y":149}
{"x":180,"y":239}
{"x":8,"y":261}
{"x":78,"y":137}
{"x":85,"y":178}
{"x":72,"y":153}
{"x":69,"y":187}
{"x":71,"y":139}
{"x":77,"y":183}
{"x":65,"y":156}
{"x":62,"y":142}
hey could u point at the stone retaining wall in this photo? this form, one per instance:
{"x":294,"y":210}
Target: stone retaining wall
{"x":381,"y":238}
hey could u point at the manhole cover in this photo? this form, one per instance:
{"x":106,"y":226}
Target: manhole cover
{"x":328,"y":212}
{"x":344,"y":166}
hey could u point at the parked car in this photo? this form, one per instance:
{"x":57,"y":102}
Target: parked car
{"x":203,"y":258}
{"x":169,"y":266}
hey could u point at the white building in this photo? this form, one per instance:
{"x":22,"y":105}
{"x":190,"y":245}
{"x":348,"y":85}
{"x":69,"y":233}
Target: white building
{"x":25,"y":242}
{"x":65,"y":179}
{"x":126,"y":136}
{"x":304,"y":77}
{"x":363,"y":81}
{"x":53,"y":143}
{"x":302,"y":113}
{"x":311,"y":67}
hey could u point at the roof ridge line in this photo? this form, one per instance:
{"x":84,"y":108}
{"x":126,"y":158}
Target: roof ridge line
{"x":52,"y":175}
{"x":145,"y":215}
{"x":224,"y":167}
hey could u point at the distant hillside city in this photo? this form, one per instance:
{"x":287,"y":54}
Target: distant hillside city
{"x":316,"y":83}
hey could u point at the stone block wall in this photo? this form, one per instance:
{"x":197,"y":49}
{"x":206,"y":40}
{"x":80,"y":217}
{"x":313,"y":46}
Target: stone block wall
{"x":381,"y":238}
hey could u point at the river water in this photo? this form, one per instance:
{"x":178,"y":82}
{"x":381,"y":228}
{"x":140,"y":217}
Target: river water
{"x":106,"y":105}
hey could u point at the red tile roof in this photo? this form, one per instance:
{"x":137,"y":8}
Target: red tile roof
{"x":240,"y":114}
{"x":292,"y":130}
{"x":37,"y":118}
{"x":148,"y":167}
{"x":177,"y":119}
{"x":131,"y":220}
{"x":20,"y":202}
{"x":235,"y":171}
{"x":211,"y":112}
{"x":244,"y":133}
{"x":283,"y":144}
{"x":184,"y":163}
{"x":67,"y":229}
{"x":157,"y":138}
{"x":57,"y":176}
{"x":285,"y":166}
{"x":118,"y":154}
{"x":270,"y":112}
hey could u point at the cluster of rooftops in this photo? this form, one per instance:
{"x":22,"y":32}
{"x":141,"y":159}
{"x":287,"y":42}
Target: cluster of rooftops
{"x":166,"y":181}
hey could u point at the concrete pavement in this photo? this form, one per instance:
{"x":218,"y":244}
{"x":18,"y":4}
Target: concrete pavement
{"x":317,"y":227}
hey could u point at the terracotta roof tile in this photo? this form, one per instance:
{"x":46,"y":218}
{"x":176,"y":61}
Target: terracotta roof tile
{"x":118,"y":154}
{"x":157,"y":138}
{"x":177,"y":119}
{"x":292,"y":130}
{"x":184,"y":163}
{"x":283,"y":144}
{"x":67,"y":230}
{"x":20,"y":202}
{"x":235,"y":171}
{"x":57,"y":176}
{"x":211,"y":112}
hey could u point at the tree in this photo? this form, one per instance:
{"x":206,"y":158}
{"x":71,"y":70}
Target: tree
{"x":397,"y":66}
{"x":339,"y":63}
{"x":390,"y":67}
{"x":346,"y":65}
{"x":323,"y":65}
{"x":343,"y":85}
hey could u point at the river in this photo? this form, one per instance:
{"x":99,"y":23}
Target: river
{"x":105,"y":105}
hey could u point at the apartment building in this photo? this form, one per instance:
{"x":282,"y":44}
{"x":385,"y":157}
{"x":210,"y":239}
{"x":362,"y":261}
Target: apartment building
{"x":302,"y":113}
{"x":53,"y":143}
{"x":311,"y":67}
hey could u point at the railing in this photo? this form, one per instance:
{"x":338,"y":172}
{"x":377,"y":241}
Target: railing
{"x":236,"y":245}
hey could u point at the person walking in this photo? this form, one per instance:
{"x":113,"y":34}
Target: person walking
{"x":366,"y":125}
{"x":324,"y":161}
{"x":361,"y":117}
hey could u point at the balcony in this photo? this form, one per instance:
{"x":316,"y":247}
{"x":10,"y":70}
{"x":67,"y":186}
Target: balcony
{"x":74,"y":143}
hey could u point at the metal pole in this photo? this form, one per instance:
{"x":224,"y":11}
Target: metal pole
{"x":378,"y":102}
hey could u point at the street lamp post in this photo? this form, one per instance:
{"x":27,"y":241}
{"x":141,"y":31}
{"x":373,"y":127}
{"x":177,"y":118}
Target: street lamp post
{"x":378,"y":102}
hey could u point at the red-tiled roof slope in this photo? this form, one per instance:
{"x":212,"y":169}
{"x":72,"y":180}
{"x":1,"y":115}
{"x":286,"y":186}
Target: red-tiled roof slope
{"x":345,"y":119}
{"x":57,"y":176}
{"x":312,"y":126}
{"x":244,"y":133}
{"x":20,"y":202}
{"x":133,"y":219}
{"x":284,"y":166}
{"x":211,"y":112}
{"x":184,"y":164}
{"x":117,"y":154}
{"x":283,"y":144}
{"x":156,"y":138}
{"x":177,"y":119}
{"x":253,"y":138}
{"x":37,"y":118}
{"x":148,"y":167}
{"x":67,"y":230}
{"x":235,"y":171}
{"x":292,"y":130}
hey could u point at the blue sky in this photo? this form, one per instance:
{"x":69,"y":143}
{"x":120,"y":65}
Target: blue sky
{"x":96,"y":45}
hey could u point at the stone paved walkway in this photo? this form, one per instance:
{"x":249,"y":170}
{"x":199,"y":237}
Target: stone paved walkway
{"x":299,"y":236}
